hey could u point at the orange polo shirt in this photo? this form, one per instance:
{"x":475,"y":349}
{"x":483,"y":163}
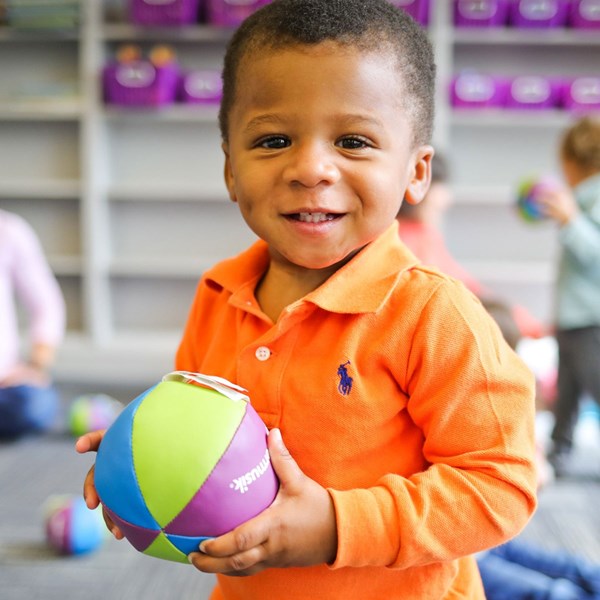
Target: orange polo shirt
{"x":395,"y":390}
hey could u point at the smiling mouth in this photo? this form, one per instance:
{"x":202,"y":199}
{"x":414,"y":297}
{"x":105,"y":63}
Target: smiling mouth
{"x":307,"y":217}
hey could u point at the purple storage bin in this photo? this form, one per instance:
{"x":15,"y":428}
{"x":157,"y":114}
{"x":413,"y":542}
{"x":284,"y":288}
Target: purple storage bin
{"x":538,"y":13}
{"x":417,"y":9}
{"x":478,"y":90}
{"x":163,"y":12}
{"x":140,"y":83}
{"x":230,"y":13}
{"x":582,"y":94}
{"x":585,"y":14}
{"x":533,"y":92}
{"x":201,"y":87}
{"x":480,"y":13}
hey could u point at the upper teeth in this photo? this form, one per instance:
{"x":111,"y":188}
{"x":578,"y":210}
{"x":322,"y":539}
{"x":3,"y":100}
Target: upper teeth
{"x":315,"y":217}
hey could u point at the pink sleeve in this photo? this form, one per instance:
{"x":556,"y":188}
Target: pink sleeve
{"x":36,"y":287}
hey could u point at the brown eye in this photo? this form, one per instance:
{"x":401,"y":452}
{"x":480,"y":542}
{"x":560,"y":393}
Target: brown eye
{"x":274,"y":142}
{"x":352,"y":143}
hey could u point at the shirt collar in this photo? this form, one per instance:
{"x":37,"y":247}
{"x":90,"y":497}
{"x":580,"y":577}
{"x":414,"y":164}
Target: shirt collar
{"x":362,"y":285}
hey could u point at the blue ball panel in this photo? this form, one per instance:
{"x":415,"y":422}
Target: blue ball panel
{"x":186,"y":544}
{"x":114,"y":475}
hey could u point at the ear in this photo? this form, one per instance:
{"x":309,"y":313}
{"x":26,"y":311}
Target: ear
{"x":420,"y":177}
{"x":228,"y":173}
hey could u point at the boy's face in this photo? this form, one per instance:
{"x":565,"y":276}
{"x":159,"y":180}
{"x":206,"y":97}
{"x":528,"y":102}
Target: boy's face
{"x":320,"y":153}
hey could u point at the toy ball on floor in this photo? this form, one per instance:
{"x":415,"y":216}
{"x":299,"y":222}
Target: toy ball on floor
{"x":184,"y":462}
{"x":71,"y":527}
{"x":528,"y":195}
{"x":92,"y":412}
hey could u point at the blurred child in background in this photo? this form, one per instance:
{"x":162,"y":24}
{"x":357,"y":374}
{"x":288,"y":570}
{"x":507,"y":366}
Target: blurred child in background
{"x":576,"y":209}
{"x":28,"y":401}
{"x":420,"y":228}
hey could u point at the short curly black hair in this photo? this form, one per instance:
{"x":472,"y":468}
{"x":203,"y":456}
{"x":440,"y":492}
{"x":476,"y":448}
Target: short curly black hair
{"x":370,"y":25}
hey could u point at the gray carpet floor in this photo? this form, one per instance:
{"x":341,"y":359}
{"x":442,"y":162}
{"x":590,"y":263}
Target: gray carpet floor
{"x":33,"y":469}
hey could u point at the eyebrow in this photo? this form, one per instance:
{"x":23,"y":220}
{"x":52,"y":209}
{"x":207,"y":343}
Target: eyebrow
{"x":344,"y":120}
{"x":353,"y":119}
{"x":268,"y":119}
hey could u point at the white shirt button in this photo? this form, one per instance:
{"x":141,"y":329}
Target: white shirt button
{"x":262,"y":353}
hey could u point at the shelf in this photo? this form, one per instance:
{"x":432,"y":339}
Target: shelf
{"x":44,"y":189}
{"x":180,"y":113}
{"x":120,"y":32}
{"x":495,"y":117}
{"x":10,"y":34}
{"x":169,"y":268}
{"x":66,"y":265}
{"x":133,"y":358}
{"x":175,"y":192}
{"x":490,"y":36}
{"x":40,"y":109}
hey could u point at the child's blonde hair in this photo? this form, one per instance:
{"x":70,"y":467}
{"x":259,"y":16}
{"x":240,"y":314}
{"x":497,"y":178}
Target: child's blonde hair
{"x":581,"y":144}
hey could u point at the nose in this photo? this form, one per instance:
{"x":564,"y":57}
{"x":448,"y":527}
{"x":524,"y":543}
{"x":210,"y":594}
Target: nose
{"x":312,"y":164}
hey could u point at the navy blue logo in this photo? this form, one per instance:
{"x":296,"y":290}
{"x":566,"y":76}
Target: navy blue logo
{"x":345,"y":384}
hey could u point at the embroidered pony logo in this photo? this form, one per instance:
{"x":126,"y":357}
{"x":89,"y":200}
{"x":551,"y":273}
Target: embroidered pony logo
{"x":345,"y":384}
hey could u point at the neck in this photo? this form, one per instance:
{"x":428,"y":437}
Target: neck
{"x":281,"y":287}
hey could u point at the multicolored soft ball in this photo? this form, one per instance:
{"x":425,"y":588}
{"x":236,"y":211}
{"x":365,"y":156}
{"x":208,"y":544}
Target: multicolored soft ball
{"x":184,"y":462}
{"x":92,"y":412}
{"x":528,"y":195}
{"x":71,"y":527}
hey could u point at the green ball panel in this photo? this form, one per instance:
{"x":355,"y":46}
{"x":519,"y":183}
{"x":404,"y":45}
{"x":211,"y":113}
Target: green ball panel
{"x":183,"y":430}
{"x":161,"y":547}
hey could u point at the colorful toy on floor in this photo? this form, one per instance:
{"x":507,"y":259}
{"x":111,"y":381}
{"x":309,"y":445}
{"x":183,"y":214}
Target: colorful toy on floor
{"x":184,"y":461}
{"x":528,"y":195}
{"x":71,"y":527}
{"x":92,"y":412}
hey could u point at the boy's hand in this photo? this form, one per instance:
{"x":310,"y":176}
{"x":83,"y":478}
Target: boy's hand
{"x":298,"y":529}
{"x":90,"y":442}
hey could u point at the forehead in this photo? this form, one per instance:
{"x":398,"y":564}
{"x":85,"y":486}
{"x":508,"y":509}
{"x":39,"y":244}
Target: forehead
{"x":282,"y":72}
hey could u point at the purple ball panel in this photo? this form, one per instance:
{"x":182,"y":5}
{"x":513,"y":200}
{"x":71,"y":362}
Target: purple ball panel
{"x":139,"y":537}
{"x":241,"y":485}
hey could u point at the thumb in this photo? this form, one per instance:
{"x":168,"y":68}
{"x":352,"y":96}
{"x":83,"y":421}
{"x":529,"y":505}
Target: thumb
{"x":285,"y":466}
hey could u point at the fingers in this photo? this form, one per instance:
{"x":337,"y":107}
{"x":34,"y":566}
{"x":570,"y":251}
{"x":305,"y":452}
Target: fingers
{"x":90,"y":495}
{"x":90,"y":442}
{"x":285,"y":466}
{"x":241,"y":564}
{"x":242,"y":551}
{"x":117,"y":533}
{"x":251,"y":534}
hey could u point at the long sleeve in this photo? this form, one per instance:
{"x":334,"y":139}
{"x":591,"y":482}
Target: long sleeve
{"x":465,"y":388}
{"x":36,"y":287}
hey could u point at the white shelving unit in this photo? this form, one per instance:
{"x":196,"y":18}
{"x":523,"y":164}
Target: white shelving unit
{"x":131,"y":207}
{"x":491,"y":151}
